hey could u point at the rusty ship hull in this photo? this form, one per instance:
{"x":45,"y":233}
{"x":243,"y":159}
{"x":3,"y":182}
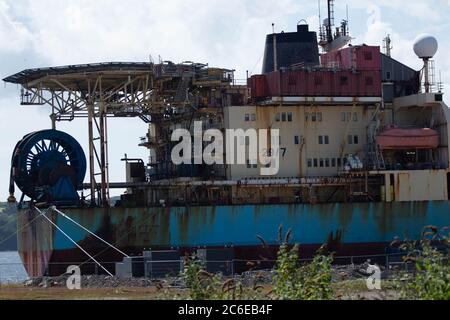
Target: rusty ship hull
{"x":349,"y":229}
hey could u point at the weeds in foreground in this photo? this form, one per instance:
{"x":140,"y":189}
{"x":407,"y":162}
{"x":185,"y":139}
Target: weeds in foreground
{"x":429,"y":257}
{"x":310,"y":281}
{"x":292,"y":280}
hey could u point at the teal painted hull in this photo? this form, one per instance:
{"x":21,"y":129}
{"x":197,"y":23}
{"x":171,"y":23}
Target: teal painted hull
{"x":360,"y":226}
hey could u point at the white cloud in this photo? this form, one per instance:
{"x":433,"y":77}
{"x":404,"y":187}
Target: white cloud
{"x":14,"y":36}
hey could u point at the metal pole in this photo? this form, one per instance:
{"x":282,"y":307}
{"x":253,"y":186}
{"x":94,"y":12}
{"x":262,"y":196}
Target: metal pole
{"x":104,"y":198}
{"x":275,"y":57}
{"x":427,"y":76}
{"x":91,"y":152}
{"x":329,"y":31}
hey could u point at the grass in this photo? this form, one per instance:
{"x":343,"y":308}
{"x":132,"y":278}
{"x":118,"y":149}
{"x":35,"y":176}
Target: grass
{"x":345,"y":290}
{"x":22,"y":293}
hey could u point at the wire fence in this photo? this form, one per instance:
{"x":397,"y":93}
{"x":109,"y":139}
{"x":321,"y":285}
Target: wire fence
{"x":138,"y":267}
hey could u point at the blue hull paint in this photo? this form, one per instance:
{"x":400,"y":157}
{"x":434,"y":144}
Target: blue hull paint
{"x":365,"y":228}
{"x":239,"y":225}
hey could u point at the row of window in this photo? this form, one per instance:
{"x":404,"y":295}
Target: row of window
{"x":250,"y":165}
{"x":255,"y":166}
{"x":324,"y":140}
{"x":314,"y":117}
{"x":326,"y":163}
{"x":348,"y":116}
{"x":250,"y":117}
{"x":352,"y":139}
{"x":284,"y":117}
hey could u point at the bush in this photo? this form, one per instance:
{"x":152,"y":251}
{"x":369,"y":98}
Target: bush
{"x":206,"y":286}
{"x":431,"y":277}
{"x":302,"y":282}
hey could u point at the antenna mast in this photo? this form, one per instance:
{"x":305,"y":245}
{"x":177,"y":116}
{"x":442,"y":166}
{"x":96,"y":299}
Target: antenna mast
{"x":387,"y":45}
{"x":330,"y":20}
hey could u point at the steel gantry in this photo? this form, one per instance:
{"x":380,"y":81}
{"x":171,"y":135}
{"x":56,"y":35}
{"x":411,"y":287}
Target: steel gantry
{"x":99,"y":91}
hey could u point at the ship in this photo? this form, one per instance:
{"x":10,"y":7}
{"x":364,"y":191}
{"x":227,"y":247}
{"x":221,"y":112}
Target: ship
{"x":362,"y":155}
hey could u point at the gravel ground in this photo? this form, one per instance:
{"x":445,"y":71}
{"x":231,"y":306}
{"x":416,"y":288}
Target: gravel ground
{"x":264,"y":277}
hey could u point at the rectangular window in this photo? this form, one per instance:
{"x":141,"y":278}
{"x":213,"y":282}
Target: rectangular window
{"x":333,"y":162}
{"x":350,"y":140}
{"x":319,"y":116}
{"x":327,"y":140}
{"x":355,"y":117}
{"x":310,"y":163}
{"x":247,"y":117}
{"x":297,"y":140}
{"x":339,"y":162}
{"x":289,"y":115}
{"x":316,"y":164}
{"x":349,"y":116}
{"x":249,"y":166}
{"x":313,"y":117}
{"x":283,"y":117}
{"x":344,"y":81}
{"x":343,"y":116}
{"x":356,"y":140}
{"x":327,"y":163}
{"x":388,"y":75}
{"x":321,"y":163}
{"x":253,"y":117}
{"x":320,"y":139}
{"x":255,"y":166}
{"x":277,"y":117}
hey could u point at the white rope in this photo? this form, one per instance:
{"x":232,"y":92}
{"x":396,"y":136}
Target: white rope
{"x":90,"y":232}
{"x":74,"y":242}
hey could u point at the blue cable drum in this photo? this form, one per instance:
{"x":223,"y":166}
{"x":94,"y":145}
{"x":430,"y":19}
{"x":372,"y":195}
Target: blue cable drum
{"x":43,"y":158}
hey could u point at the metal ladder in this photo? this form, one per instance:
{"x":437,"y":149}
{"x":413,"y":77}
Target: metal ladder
{"x":380,"y":163}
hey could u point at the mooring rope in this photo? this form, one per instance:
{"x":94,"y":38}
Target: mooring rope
{"x":88,"y":231}
{"x":73,"y":241}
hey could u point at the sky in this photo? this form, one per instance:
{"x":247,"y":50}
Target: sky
{"x":223,"y":33}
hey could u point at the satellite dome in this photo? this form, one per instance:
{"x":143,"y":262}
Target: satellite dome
{"x":425,"y":46}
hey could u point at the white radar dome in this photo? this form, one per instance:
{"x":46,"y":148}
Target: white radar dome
{"x":425,"y":46}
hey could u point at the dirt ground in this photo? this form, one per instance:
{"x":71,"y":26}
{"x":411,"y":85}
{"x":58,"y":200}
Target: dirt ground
{"x":349,"y":290}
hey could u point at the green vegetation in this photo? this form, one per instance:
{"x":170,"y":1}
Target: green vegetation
{"x":431,"y":277}
{"x":310,"y":281}
{"x":292,"y":281}
{"x":202,"y":285}
{"x":8,"y":218}
{"x":427,"y":278}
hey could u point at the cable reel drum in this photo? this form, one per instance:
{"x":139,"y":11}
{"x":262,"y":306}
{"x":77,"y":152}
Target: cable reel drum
{"x":48,"y":166}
